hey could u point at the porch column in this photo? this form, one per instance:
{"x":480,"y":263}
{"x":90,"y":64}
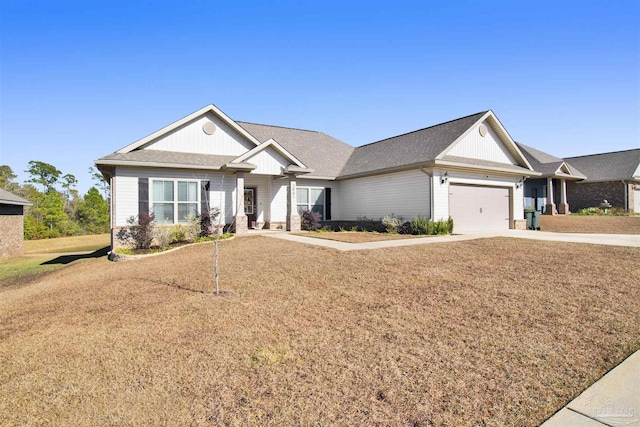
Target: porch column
{"x":563,"y":207}
{"x":240,"y":224}
{"x":550,"y":207}
{"x":293,"y":219}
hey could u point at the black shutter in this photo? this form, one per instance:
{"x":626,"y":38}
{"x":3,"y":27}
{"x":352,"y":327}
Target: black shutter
{"x":204,"y":198}
{"x":143,"y":196}
{"x":327,"y":203}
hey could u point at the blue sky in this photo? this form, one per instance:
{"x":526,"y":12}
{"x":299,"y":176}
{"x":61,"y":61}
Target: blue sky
{"x":79,"y":80}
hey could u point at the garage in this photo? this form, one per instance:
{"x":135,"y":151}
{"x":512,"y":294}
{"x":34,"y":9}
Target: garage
{"x":636,"y":199}
{"x":479,"y":208}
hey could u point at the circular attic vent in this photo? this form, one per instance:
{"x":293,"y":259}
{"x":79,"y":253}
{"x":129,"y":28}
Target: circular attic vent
{"x":482,"y":129}
{"x":209,"y":128}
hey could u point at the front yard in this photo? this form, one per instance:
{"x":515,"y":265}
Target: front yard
{"x":485,"y":332}
{"x":590,"y":224}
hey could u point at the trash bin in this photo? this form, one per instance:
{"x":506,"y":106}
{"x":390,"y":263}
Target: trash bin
{"x":535,"y":220}
{"x":529,"y":217}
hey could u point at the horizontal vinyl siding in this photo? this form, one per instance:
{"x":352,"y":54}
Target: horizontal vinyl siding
{"x":190,"y":138}
{"x":222,"y":190}
{"x":404,"y":194}
{"x":488,"y":147}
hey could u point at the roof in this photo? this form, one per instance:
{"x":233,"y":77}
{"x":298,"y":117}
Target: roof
{"x":166,"y":159}
{"x":548,"y":165}
{"x":7,"y":198}
{"x":415,"y":147}
{"x":614,"y":166}
{"x":318,"y":151}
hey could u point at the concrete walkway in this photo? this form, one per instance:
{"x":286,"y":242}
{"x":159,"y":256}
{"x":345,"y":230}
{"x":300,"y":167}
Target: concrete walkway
{"x":614,"y":400}
{"x":630,"y":240}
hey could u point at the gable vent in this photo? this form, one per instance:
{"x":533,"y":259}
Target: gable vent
{"x":209,"y":128}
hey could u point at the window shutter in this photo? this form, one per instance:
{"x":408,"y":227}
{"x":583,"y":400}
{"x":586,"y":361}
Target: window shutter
{"x":204,"y":198}
{"x":327,"y":203}
{"x":143,"y":196}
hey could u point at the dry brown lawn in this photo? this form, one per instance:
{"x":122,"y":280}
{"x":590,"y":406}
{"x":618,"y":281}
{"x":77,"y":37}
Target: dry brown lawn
{"x":591,"y":224}
{"x":485,"y":332}
{"x":355,"y":236}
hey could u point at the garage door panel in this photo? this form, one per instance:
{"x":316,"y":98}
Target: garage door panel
{"x":479,"y":208}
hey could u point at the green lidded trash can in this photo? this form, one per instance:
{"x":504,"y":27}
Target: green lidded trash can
{"x":529,"y":216}
{"x":535,"y":220}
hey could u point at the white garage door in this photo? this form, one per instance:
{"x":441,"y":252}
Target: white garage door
{"x":477,"y":208}
{"x":636,"y":200}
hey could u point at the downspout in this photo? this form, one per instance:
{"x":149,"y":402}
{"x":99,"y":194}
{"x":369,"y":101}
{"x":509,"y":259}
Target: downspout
{"x":430,"y":175}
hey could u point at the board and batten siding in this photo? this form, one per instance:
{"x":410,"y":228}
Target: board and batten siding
{"x":221,"y":190}
{"x":268,"y":161}
{"x":488,"y":147}
{"x":190,"y":138}
{"x":441,"y":191}
{"x":404,"y":194}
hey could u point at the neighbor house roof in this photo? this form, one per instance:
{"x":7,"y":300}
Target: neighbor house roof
{"x":548,"y":165}
{"x":7,"y":198}
{"x":614,"y":166}
{"x":318,"y":151}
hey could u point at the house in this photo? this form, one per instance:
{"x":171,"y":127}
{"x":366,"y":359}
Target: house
{"x":11,"y":224}
{"x":263,"y":176}
{"x":614,"y":177}
{"x":548,"y":192}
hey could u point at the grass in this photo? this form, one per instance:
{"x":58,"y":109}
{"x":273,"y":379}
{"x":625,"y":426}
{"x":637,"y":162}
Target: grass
{"x":590,"y":224}
{"x":17,"y":271}
{"x":67,"y":244}
{"x":356,"y":236}
{"x":484,"y":332}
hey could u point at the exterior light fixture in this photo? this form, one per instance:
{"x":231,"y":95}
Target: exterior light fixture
{"x":444,"y":178}
{"x":519,"y":183}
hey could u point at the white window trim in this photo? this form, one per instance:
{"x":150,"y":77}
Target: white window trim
{"x":175,"y":202}
{"x":309,"y":204}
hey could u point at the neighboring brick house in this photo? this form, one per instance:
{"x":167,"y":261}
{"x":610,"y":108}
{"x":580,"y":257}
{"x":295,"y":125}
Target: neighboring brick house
{"x":612,"y":176}
{"x":11,"y":224}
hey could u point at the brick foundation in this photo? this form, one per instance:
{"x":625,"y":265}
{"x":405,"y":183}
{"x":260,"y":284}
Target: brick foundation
{"x":563,"y":208}
{"x":550,"y":209}
{"x":12,"y":235}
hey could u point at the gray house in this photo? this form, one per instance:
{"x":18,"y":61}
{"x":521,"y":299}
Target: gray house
{"x":612,"y":176}
{"x":11,"y":224}
{"x":548,"y":193}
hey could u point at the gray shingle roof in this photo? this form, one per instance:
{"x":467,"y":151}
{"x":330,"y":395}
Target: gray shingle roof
{"x":420,"y":146}
{"x":7,"y":198}
{"x":318,"y":151}
{"x":546,"y":163}
{"x":614,"y":166}
{"x":167,"y":158}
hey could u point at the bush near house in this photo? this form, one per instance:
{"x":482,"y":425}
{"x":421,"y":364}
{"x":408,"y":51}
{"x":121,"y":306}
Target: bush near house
{"x":310,"y":220}
{"x":600,"y":212}
{"x":421,"y":225}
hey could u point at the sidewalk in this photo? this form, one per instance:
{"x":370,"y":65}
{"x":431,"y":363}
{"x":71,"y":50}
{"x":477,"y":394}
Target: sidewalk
{"x":629,"y":240}
{"x":614,"y":400}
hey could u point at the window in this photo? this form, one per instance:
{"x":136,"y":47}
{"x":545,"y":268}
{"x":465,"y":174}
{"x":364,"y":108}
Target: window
{"x":310,"y":199}
{"x":167,"y":207}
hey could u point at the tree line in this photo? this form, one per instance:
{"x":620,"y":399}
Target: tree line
{"x":58,"y":209}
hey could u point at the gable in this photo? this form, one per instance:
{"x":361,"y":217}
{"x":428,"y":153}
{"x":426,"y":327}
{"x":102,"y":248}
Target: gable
{"x":205,"y":134}
{"x":268,"y":162}
{"x":489,"y":147}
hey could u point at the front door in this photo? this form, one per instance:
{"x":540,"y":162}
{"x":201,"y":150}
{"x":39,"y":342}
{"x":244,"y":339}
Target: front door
{"x":250,"y":206}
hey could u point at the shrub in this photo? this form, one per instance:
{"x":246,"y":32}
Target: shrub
{"x":421,"y":225}
{"x":177,"y":234}
{"x":139,"y":234}
{"x":600,"y":211}
{"x":392,"y":223}
{"x":163,"y":234}
{"x":192,"y":230}
{"x":310,"y":220}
